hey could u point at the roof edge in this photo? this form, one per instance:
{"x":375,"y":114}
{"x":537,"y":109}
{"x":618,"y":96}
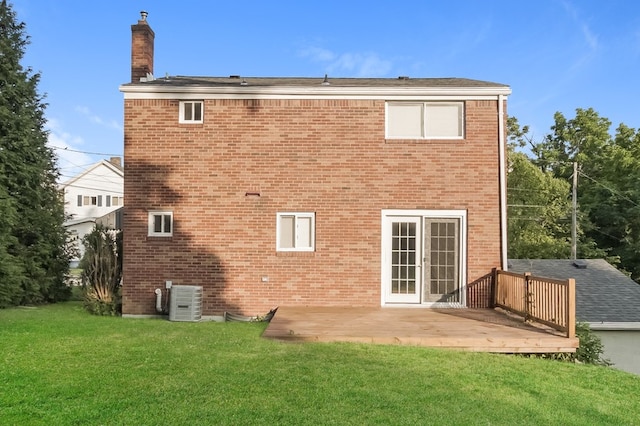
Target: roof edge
{"x":91,"y":168}
{"x":613,"y":326}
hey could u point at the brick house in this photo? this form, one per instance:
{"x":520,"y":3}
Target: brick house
{"x":310,"y":191}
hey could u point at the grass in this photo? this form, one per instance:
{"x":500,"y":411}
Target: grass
{"x":60,"y":365}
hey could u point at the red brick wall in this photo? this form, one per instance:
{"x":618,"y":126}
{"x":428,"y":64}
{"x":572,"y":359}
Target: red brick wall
{"x":324,"y":156}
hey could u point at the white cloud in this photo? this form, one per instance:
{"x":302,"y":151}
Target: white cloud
{"x":349,"y":64}
{"x":317,"y":54}
{"x":589,"y":37}
{"x":96,"y":119}
{"x":66,"y":147}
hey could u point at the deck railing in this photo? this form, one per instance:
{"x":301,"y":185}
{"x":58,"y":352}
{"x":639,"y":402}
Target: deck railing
{"x":545,"y":300}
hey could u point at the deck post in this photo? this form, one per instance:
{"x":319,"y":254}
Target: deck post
{"x":527,"y":296}
{"x":492,"y":288}
{"x":571,"y":308}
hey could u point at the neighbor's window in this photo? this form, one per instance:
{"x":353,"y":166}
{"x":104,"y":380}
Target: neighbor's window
{"x":295,"y":232}
{"x":113,"y":201}
{"x":190,"y":112}
{"x":425,"y":120}
{"x":160,"y":224}
{"x":91,"y":201}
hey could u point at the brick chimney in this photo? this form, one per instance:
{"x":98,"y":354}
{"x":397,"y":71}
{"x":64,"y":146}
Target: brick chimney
{"x":116,"y":161}
{"x":142,"y":37}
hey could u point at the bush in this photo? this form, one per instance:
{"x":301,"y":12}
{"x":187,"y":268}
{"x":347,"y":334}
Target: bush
{"x":590,"y":351}
{"x":102,"y":271}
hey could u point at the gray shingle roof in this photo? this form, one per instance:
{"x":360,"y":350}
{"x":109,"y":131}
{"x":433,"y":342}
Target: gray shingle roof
{"x":317,"y":81}
{"x":603,"y":293}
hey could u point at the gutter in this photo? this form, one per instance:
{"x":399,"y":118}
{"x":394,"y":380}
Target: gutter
{"x":613,"y":326}
{"x":174,"y":91}
{"x":503,"y":183}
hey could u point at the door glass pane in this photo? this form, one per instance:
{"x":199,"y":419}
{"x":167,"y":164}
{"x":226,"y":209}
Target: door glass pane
{"x":442,"y":282}
{"x":403,"y":258}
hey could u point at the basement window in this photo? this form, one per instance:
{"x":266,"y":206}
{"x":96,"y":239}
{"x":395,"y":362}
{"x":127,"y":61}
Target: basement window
{"x":160,"y":224}
{"x":295,"y":232}
{"x":191,"y":112}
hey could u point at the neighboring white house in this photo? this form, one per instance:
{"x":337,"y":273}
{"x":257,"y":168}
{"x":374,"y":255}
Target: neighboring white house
{"x":606,"y":299}
{"x":91,"y":195}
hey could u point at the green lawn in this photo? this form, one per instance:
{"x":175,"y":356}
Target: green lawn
{"x":59,"y":366}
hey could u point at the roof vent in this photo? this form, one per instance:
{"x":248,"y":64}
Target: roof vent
{"x":325,"y":82}
{"x":580,"y":264}
{"x":234,"y":76}
{"x":403,"y":77}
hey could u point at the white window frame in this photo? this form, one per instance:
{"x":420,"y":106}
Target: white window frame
{"x":151,"y":222}
{"x":425,"y":118}
{"x":183,"y":105}
{"x":297,"y":236}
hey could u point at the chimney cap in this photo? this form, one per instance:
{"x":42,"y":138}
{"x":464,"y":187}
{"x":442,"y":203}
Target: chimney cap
{"x":143,"y":15}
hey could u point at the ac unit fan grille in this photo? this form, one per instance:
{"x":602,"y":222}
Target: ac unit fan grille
{"x":186,"y":303}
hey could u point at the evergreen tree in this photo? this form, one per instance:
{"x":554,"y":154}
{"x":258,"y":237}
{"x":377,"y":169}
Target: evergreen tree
{"x":33,"y":257}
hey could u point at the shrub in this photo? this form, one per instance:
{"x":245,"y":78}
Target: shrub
{"x":591,"y":350}
{"x":102,"y":270}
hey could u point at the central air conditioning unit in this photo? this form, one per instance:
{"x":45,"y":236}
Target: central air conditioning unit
{"x":185,"y":303}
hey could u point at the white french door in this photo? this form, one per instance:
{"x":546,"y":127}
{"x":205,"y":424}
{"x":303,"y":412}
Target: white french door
{"x":405,"y":259}
{"x":423,"y":256}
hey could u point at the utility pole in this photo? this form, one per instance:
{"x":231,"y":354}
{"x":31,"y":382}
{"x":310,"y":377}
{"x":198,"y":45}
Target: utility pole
{"x":574,"y":222}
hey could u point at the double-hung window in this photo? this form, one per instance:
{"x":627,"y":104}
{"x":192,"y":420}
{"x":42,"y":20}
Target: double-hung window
{"x":160,"y":224}
{"x":295,"y":232}
{"x":425,"y":120}
{"x":191,"y":112}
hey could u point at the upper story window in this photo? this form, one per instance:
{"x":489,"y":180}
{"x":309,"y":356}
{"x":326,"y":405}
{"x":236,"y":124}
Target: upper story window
{"x":191,"y":112}
{"x":425,"y":120}
{"x":295,"y":232}
{"x":161,"y":224}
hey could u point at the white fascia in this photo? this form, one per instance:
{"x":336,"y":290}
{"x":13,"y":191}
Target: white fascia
{"x":322,"y":92}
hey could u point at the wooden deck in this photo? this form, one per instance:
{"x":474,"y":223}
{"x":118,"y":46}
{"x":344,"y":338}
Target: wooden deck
{"x":481,"y":330}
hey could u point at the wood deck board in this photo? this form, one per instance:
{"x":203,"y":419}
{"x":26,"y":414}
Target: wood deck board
{"x":483,"y":330}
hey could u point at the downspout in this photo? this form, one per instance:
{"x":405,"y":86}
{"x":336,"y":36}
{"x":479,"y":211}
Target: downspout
{"x":503,"y":183}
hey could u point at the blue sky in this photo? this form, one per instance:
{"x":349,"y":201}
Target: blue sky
{"x":557,"y":55}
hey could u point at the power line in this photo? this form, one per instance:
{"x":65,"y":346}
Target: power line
{"x":83,"y":152}
{"x":93,"y":189}
{"x":613,"y":191}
